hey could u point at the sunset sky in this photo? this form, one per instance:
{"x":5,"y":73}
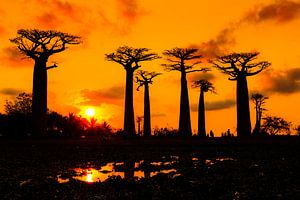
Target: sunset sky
{"x":85,"y":79}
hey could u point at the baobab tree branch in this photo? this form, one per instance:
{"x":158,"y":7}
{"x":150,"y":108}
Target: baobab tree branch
{"x":36,"y":43}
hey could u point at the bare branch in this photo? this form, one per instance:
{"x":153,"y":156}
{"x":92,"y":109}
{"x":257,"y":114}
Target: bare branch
{"x":35,"y":43}
{"x":237,"y":64}
{"x":127,"y":56}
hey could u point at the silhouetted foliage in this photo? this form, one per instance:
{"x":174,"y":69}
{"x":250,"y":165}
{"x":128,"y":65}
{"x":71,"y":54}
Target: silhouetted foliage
{"x":204,"y":86}
{"x":21,"y":105}
{"x":40,"y":45}
{"x":259,"y":100}
{"x":130,"y":58}
{"x":273,"y":125}
{"x":165,"y":132}
{"x":144,"y":78}
{"x":18,"y":119}
{"x":183,"y":60}
{"x":238,"y":66}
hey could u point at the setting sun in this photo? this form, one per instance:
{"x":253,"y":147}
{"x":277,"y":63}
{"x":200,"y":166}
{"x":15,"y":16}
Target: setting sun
{"x":90,"y":112}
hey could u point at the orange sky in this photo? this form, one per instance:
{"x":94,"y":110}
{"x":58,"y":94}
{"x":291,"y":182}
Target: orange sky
{"x":85,"y":79}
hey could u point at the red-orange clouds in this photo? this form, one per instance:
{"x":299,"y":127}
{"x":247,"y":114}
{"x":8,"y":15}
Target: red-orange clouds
{"x":279,"y":11}
{"x":12,"y":57}
{"x":129,"y":9}
{"x":111,"y":95}
{"x":282,"y":82}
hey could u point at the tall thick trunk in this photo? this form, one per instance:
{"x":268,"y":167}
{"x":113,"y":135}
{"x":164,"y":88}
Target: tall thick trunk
{"x":129,"y":125}
{"x":201,"y":116}
{"x":39,"y":98}
{"x":147,"y":119}
{"x":184,"y":115}
{"x":243,"y":110}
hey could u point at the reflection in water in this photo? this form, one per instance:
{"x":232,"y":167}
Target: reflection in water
{"x":130,"y":169}
{"x":141,"y":169}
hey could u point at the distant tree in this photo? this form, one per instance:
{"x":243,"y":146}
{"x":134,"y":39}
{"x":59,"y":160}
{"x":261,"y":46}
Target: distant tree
{"x":18,"y":117}
{"x":259,"y":101}
{"x":139,"y":119}
{"x":183,"y":60}
{"x":204,"y":86}
{"x":238,"y":66}
{"x":40,"y":45}
{"x":130,"y":58}
{"x":21,"y":105}
{"x":145,"y":78}
{"x":275,"y":125}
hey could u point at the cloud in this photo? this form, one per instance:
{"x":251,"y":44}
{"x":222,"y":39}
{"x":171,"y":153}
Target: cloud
{"x":48,"y":20}
{"x":219,"y":45}
{"x":10,"y":91}
{"x":130,"y":10}
{"x":2,"y":30}
{"x":216,"y":105}
{"x":282,"y":82}
{"x":97,"y":97}
{"x":280,"y":11}
{"x":12,"y":57}
{"x":158,"y":115}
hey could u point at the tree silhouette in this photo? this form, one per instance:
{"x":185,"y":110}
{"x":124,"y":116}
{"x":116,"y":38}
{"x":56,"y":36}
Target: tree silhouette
{"x":183,"y":60}
{"x":21,"y":105}
{"x":130,"y":58}
{"x":259,"y":100}
{"x":238,"y":66}
{"x":204,"y":86}
{"x":273,"y":125}
{"x":40,"y":45}
{"x":144,"y":78}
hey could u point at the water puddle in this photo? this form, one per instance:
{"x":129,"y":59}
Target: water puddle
{"x":139,"y":170}
{"x":123,"y":170}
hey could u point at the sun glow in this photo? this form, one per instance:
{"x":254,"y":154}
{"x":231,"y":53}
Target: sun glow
{"x":90,"y":112}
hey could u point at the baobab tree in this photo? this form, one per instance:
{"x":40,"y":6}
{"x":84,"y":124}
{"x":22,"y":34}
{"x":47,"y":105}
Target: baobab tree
{"x":39,"y":45}
{"x":239,"y":66}
{"x":259,"y":101}
{"x":145,"y":78}
{"x":204,"y":86}
{"x":183,"y":60}
{"x":130,"y":58}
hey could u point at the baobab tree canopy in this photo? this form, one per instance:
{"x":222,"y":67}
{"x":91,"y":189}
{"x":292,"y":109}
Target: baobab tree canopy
{"x":181,"y":59}
{"x":144,"y":77}
{"x":36,"y":43}
{"x":237,"y":64}
{"x":129,"y":56}
{"x":204,"y":85}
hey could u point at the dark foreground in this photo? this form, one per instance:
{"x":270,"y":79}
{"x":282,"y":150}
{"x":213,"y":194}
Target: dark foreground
{"x":211,"y":169}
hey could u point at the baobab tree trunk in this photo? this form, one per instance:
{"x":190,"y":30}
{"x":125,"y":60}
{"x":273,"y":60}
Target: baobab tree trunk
{"x":39,"y":97}
{"x":256,"y":129}
{"x":243,"y":110}
{"x":129,"y":125}
{"x":201,"y":116}
{"x":147,"y":119}
{"x":184,"y":115}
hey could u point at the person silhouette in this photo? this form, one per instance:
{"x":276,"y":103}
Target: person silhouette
{"x":211,"y":133}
